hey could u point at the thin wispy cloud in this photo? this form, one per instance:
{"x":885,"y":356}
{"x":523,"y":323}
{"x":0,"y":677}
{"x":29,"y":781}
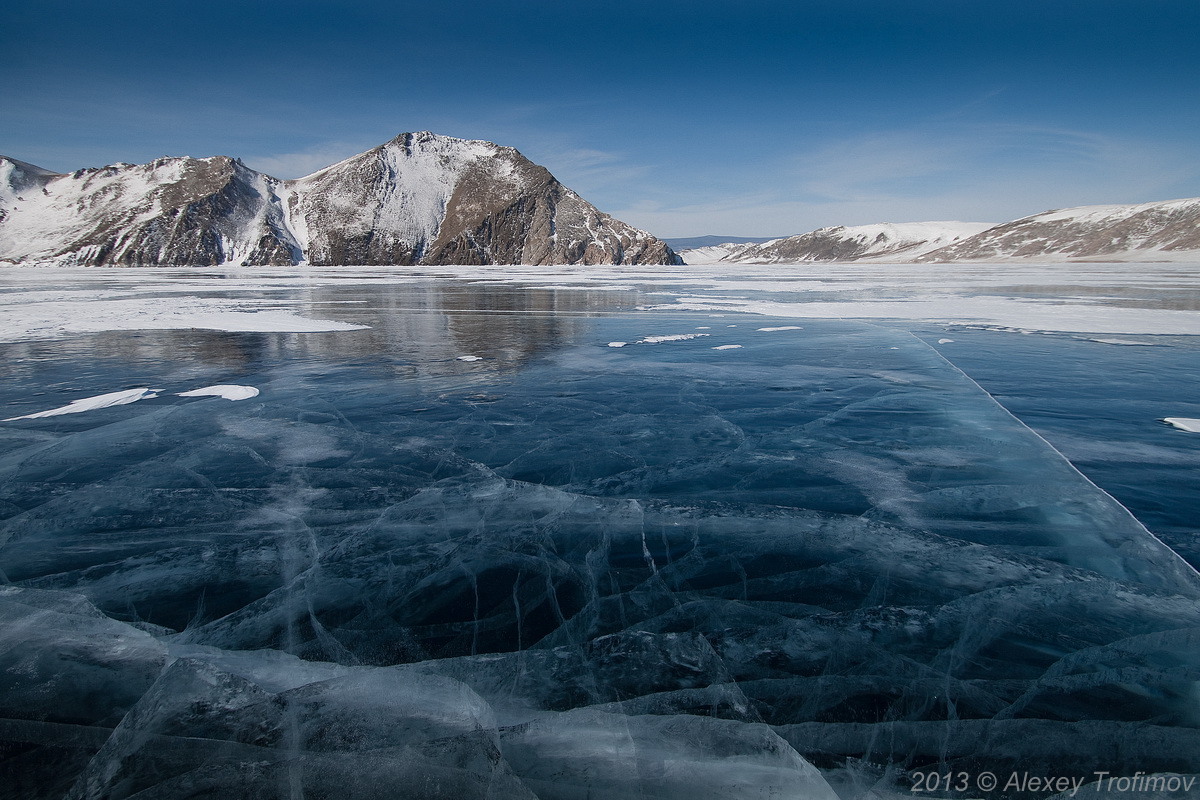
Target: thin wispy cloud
{"x":594,"y":171}
{"x":944,"y":160}
{"x":307,"y":161}
{"x":966,"y":171}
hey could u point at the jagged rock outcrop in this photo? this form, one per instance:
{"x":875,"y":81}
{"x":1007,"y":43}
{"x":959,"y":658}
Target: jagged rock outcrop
{"x":418,"y":199}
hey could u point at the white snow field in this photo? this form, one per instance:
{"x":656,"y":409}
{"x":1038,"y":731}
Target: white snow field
{"x":1116,"y":298}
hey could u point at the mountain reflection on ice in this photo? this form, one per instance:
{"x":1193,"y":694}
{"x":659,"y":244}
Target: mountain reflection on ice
{"x":415,"y":327}
{"x":823,"y":560}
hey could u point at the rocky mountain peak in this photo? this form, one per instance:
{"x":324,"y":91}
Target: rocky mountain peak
{"x":420,"y":198}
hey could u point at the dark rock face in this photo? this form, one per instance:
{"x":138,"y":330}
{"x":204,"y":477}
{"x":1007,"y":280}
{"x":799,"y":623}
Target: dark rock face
{"x":419,"y":199}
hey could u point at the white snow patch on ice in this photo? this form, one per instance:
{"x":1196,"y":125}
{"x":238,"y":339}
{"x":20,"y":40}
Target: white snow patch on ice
{"x":678,"y":337}
{"x":1098,"y":299}
{"x":945,"y":341}
{"x":47,"y":315}
{"x":229,"y":391}
{"x":993,"y":312}
{"x":728,"y":347}
{"x":92,"y":403}
{"x":617,"y":344}
{"x":470,"y":358}
{"x":1126,"y":342}
{"x":1184,"y":424}
{"x":783,"y":328}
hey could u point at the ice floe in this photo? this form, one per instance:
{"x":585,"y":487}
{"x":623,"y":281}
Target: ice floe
{"x":675,"y":337}
{"x":226,"y":390}
{"x":1184,"y":424}
{"x":728,"y":347}
{"x":1126,"y":342}
{"x":30,"y":314}
{"x":121,"y":398}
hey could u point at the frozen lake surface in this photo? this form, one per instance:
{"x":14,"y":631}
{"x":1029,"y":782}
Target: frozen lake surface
{"x":459,"y":544}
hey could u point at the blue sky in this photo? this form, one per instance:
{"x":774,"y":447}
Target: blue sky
{"x":685,"y":118}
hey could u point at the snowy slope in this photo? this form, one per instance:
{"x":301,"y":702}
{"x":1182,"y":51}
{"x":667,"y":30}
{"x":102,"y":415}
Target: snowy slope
{"x":713,"y":253}
{"x":429,"y":199}
{"x":170,"y":211}
{"x":418,"y":199}
{"x":18,"y":178}
{"x":1162,"y":231}
{"x":885,"y":241}
{"x":1165,"y":231}
{"x":385,"y":206}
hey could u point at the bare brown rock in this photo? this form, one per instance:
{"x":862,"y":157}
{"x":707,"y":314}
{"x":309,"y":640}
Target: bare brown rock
{"x":418,"y":199}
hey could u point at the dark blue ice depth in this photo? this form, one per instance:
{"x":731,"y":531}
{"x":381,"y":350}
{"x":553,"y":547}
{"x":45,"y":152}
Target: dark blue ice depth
{"x":674,"y":568}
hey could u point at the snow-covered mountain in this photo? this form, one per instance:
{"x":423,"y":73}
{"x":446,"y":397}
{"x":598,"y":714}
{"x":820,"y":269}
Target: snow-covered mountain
{"x":713,"y":253}
{"x":887,"y":241}
{"x":170,"y":211}
{"x":1163,"y":231}
{"x":697,"y":242}
{"x":419,"y":199}
{"x":1160,"y":231}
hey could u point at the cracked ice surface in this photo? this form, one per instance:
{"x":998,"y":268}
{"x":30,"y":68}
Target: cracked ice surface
{"x":614,"y":572}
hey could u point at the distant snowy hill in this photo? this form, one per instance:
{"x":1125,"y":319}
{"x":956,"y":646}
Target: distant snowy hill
{"x":1163,"y":231}
{"x":713,"y":253}
{"x":419,"y":199}
{"x":887,"y":241}
{"x":697,"y":242}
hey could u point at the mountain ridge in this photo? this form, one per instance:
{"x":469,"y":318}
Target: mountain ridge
{"x":851,"y":243}
{"x":420,"y":198}
{"x":1137,"y":231}
{"x":1164,"y":230}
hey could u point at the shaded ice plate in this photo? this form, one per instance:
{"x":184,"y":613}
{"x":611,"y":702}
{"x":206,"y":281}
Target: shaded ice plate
{"x":619,"y":570}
